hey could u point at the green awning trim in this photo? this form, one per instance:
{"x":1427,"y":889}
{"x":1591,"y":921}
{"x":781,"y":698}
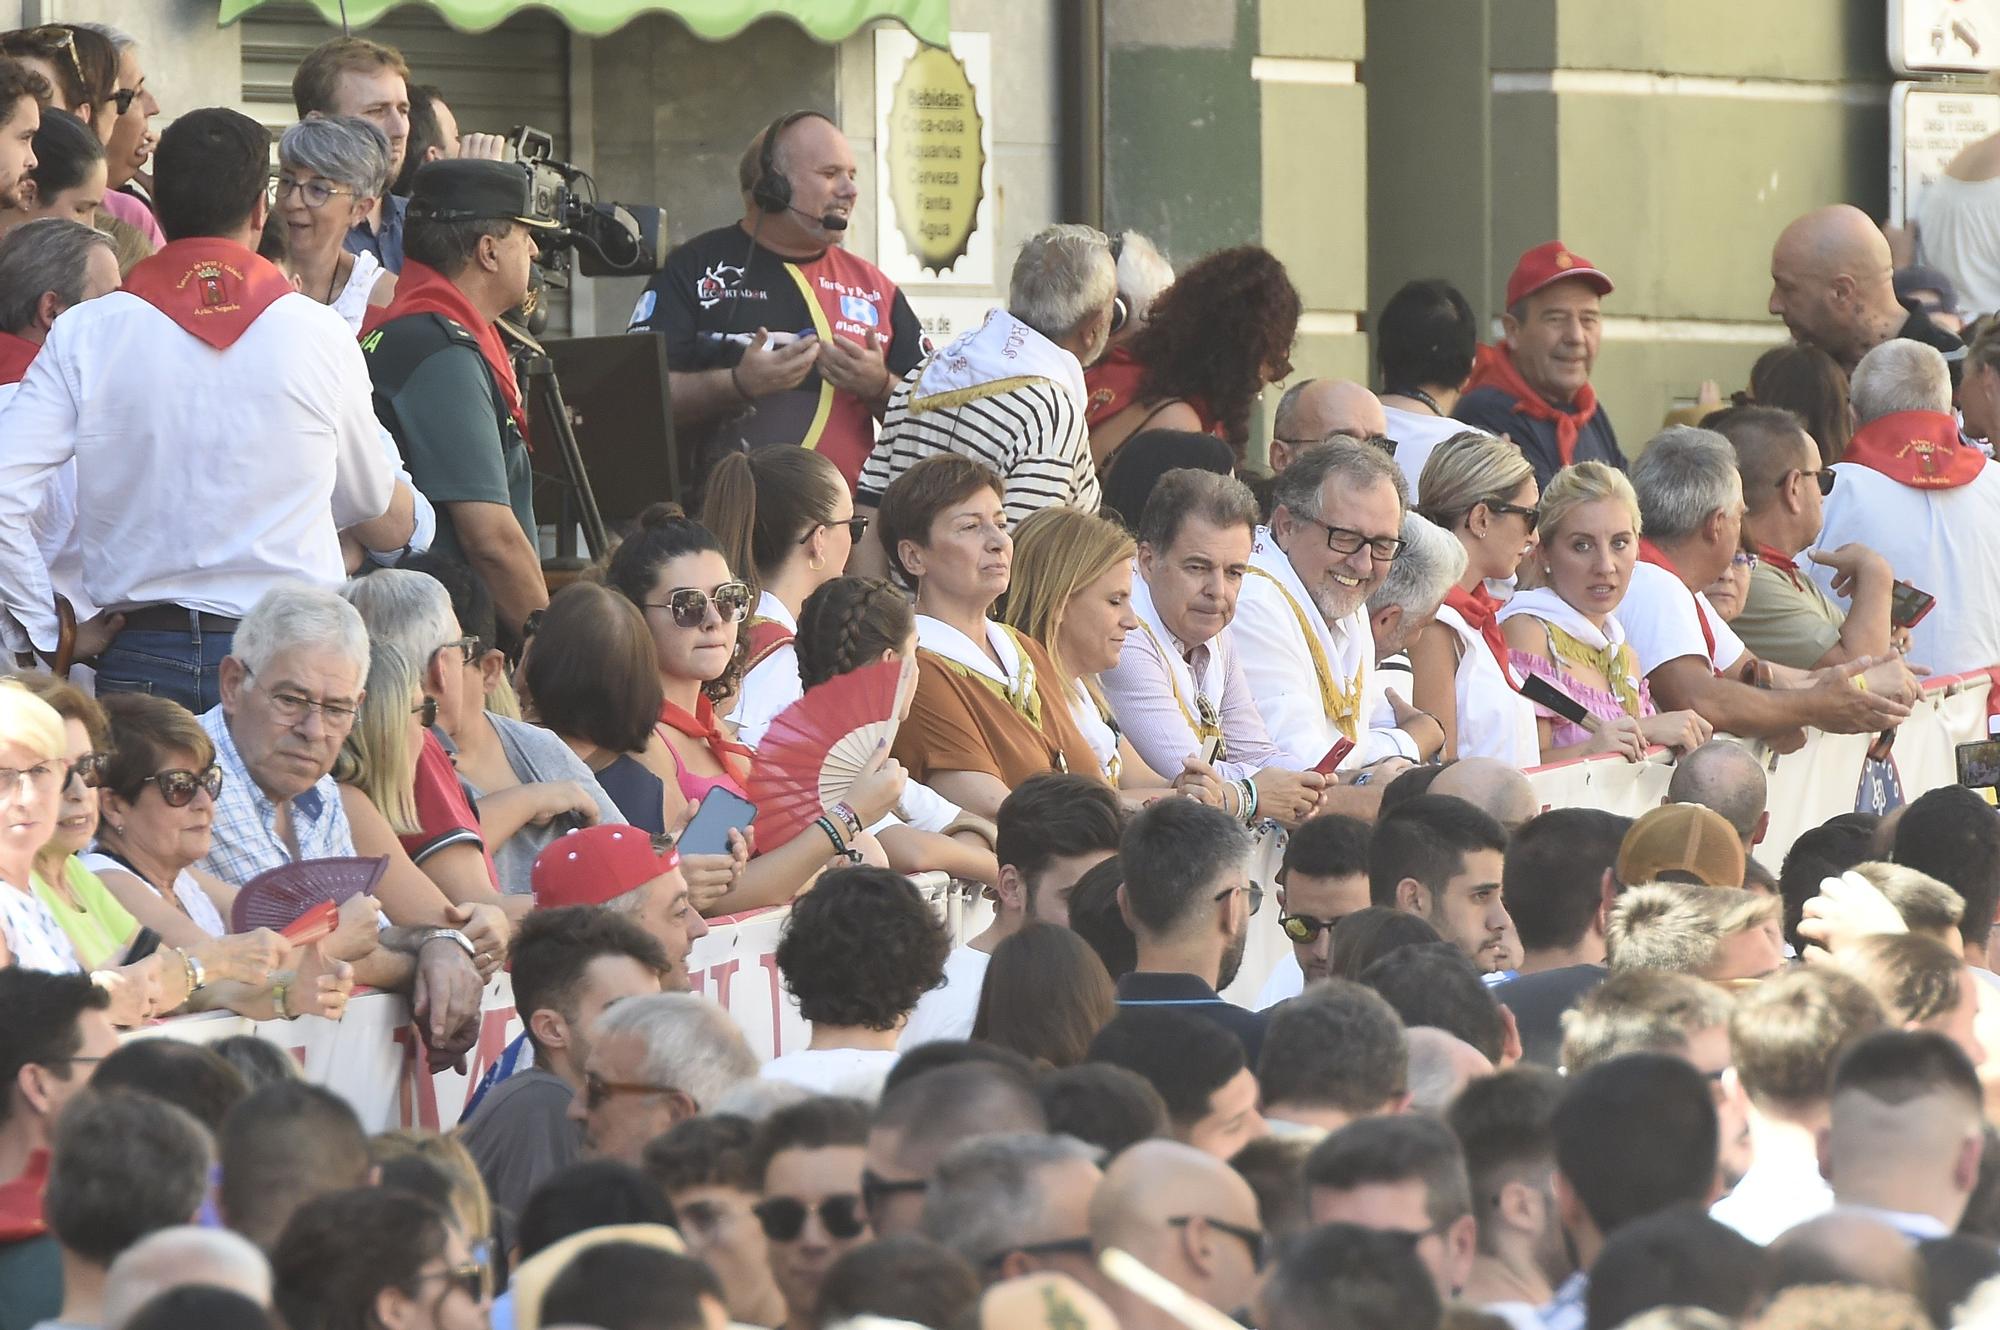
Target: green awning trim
{"x":714,"y":20}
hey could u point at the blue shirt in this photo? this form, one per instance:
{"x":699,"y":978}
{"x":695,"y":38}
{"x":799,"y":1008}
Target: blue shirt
{"x":385,"y":244}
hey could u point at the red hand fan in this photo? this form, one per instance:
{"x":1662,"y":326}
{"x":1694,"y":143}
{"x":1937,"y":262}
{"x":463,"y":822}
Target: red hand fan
{"x":819,"y":746}
{"x":316,"y":923}
{"x":276,"y":898}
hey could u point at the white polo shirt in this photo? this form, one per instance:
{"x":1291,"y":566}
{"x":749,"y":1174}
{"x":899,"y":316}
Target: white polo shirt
{"x":1662,"y":622}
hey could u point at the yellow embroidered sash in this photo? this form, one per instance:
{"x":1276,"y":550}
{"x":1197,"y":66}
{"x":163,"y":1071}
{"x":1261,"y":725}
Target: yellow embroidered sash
{"x":1342,"y":703}
{"x":1204,"y":720}
{"x":1617,"y":664}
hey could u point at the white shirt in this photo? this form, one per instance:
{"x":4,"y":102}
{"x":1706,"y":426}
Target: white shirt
{"x":1940,"y":541}
{"x":32,"y":933}
{"x":946,"y":1011}
{"x":1416,"y":433}
{"x":352,"y":302}
{"x":203,"y":477}
{"x":1493,"y":719}
{"x":1097,"y":732}
{"x":849,"y":1073}
{"x":1772,"y":1196}
{"x":194,"y":902}
{"x":1958,"y":231}
{"x":1278,"y":660}
{"x":1287,"y":980}
{"x":773,"y":684}
{"x":1662,"y":623}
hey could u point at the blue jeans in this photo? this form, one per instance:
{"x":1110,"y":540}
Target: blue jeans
{"x":184,"y":665}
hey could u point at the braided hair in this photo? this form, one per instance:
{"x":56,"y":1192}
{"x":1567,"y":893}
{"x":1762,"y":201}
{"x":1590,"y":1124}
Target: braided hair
{"x":849,"y":623}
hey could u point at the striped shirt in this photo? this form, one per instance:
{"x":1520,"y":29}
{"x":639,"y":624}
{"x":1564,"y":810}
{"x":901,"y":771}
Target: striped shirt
{"x":1032,"y":436}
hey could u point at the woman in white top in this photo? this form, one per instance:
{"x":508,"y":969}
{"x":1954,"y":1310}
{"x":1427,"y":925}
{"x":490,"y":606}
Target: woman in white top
{"x":1072,"y":592}
{"x":331,"y":170}
{"x":1482,"y":490}
{"x":786,"y":522}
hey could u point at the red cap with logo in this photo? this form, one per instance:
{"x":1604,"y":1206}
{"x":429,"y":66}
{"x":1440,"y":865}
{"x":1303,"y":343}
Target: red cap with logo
{"x":1547,"y":264}
{"x":591,"y":865}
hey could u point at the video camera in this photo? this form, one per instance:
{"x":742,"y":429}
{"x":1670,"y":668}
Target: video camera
{"x":608,"y":239}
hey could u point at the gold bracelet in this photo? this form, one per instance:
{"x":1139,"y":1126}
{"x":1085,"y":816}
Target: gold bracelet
{"x":278,"y":990}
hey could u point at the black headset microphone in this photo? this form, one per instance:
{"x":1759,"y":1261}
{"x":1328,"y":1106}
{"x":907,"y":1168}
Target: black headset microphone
{"x":771,"y":190}
{"x":832,"y":221}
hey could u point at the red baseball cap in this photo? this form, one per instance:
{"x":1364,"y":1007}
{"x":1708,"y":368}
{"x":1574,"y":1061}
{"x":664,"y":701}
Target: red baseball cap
{"x":591,"y":865}
{"x":1546,"y":264}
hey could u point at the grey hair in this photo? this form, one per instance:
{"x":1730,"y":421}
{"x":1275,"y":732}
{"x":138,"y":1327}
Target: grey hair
{"x":408,"y":610}
{"x":1900,"y":375}
{"x":174,"y":1257}
{"x":986,"y":1196}
{"x":121,"y":40}
{"x":293,"y":615}
{"x":1143,"y":272}
{"x":1683,"y":476}
{"x":1431,"y":563}
{"x":48,"y":254}
{"x":1186,"y":492}
{"x":691,"y":1043}
{"x":344,"y":148}
{"x":1064,"y":278}
{"x":1356,"y":465}
{"x":1288,"y":406}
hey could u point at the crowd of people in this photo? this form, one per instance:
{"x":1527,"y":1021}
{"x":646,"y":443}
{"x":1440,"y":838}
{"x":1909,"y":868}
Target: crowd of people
{"x":270,"y":571}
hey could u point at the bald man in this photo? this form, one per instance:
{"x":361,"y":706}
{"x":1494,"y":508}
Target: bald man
{"x":1316,"y":409}
{"x":1186,"y":1216}
{"x":1833,"y":283}
{"x":1723,"y":777}
{"x":172,"y":1257}
{"x":1496,"y":788}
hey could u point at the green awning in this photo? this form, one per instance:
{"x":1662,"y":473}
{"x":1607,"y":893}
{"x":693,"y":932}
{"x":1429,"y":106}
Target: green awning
{"x":714,"y":20}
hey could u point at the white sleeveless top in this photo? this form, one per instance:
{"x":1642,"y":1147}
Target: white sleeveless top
{"x":1493,"y":719}
{"x":352,"y":302}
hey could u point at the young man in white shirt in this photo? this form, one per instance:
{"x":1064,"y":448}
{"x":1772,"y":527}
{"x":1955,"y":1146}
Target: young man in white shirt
{"x":1903,"y":1136}
{"x":1425,"y":341}
{"x":1052,"y":830}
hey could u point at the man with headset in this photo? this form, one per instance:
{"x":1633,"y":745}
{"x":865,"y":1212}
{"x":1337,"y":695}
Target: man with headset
{"x":775,"y":334}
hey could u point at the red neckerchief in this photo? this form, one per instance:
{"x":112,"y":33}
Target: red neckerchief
{"x":1112,"y":384}
{"x":703,"y":725}
{"x":421,"y":289}
{"x":1481,"y":612}
{"x":1921,"y":449}
{"x":1784,"y":563}
{"x":1494,"y":367}
{"x":21,"y":1201}
{"x":1650,"y":553}
{"x":212,"y":288}
{"x":16,"y":354}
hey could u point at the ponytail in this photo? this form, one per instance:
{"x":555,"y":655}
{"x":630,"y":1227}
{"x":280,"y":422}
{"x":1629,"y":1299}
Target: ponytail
{"x":762,"y":505}
{"x":729,"y":510}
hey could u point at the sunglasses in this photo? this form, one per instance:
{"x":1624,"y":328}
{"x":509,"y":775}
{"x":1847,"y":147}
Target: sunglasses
{"x":1531,"y":515}
{"x":784,"y":1218}
{"x":875,"y":1188}
{"x":1253,"y":891}
{"x":124,"y":98}
{"x":472,"y":1279}
{"x":1253,"y":1238}
{"x":178,"y":786}
{"x":1822,"y":476}
{"x":49,"y":39}
{"x":1304,"y":928}
{"x":856,"y":527}
{"x":690,"y":604}
{"x":597,"y":1091}
{"x":428,"y":709}
{"x":89,"y":769}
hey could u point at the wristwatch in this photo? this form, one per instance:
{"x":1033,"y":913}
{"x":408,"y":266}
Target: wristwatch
{"x":425,"y":936}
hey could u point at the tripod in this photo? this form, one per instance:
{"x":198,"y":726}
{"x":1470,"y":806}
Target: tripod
{"x":540,"y":386}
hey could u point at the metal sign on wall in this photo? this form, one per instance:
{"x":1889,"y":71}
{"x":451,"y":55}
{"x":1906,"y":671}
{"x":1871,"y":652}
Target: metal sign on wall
{"x":1929,"y":124}
{"x":1944,"y":36}
{"x":934,"y":155}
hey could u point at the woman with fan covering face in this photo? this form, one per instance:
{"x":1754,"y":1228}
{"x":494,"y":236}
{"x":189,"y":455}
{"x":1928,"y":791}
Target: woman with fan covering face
{"x":990,"y":710}
{"x":672,"y":569}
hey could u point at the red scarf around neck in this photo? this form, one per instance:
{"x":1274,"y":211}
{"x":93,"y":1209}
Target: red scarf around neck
{"x":16,"y":354}
{"x":703,"y":725}
{"x":1481,"y":612}
{"x":1651,"y":553}
{"x":213,"y":288}
{"x":1921,"y":449}
{"x":1781,"y":561}
{"x":1494,"y":367}
{"x":421,"y":289}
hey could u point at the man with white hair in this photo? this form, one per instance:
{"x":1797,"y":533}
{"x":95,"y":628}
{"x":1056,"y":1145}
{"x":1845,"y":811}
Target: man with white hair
{"x":655,"y":1060}
{"x":1016,"y":1203}
{"x":1010,"y":394}
{"x":1302,"y":623}
{"x":1911,"y":489}
{"x":1404,"y":604}
{"x":175,"y":1257}
{"x":1691,"y":506}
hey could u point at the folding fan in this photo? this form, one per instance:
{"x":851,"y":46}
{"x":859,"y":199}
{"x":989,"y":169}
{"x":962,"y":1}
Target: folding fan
{"x":277,"y":897}
{"x":819,"y":746}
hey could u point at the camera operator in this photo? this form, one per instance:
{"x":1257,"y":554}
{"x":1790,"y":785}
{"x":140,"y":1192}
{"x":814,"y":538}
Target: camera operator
{"x":775,"y":334}
{"x":444,"y":385}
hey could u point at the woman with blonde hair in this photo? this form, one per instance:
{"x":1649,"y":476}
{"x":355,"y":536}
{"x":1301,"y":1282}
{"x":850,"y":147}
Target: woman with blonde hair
{"x":1482,"y":490}
{"x":1072,"y":592}
{"x":1567,"y":630}
{"x":379,"y":759}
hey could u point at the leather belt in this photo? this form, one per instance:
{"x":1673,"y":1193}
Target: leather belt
{"x":176,"y":619}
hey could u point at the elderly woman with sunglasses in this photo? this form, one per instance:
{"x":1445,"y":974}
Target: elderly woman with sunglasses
{"x":674,"y":571}
{"x":1482,"y":490}
{"x":331,"y":170}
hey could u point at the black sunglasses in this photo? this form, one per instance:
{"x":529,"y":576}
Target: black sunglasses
{"x":1253,"y":891}
{"x":1303,"y":928}
{"x":875,"y":1188}
{"x":428,"y":709}
{"x":1253,"y":1238}
{"x":124,"y":98}
{"x":856,"y":527}
{"x":1823,"y":476}
{"x":472,"y":1279}
{"x":178,"y":786}
{"x":1533,"y":515}
{"x":689,"y":605}
{"x":784,"y":1218}
{"x":89,"y":769}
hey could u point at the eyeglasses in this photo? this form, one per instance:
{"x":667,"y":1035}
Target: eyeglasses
{"x":1255,"y":892}
{"x":124,"y":98}
{"x":428,"y":709}
{"x":1532,"y":515}
{"x":690,"y":604}
{"x":597,"y":1091}
{"x":856,"y":526}
{"x":1824,"y":476}
{"x":1743,"y":559}
{"x":13,"y":778}
{"x":1342,"y":541}
{"x":875,"y":1188}
{"x":468,"y":648}
{"x":1303,"y":928}
{"x":1253,"y":1238}
{"x":472,"y":1279}
{"x":1053,"y":1247}
{"x":292,"y":709}
{"x":89,"y":769}
{"x":316,"y":192}
{"x":784,"y":1218}
{"x":178,"y":786}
